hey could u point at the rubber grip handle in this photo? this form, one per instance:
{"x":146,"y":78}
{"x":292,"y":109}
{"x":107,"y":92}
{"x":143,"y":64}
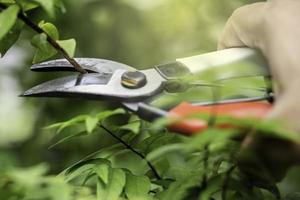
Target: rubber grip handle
{"x":237,"y":110}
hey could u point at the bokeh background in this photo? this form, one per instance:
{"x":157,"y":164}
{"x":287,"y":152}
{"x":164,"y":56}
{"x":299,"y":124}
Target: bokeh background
{"x":140,"y":33}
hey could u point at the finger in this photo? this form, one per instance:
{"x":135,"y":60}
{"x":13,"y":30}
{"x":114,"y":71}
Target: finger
{"x":244,"y":27}
{"x":230,"y":37}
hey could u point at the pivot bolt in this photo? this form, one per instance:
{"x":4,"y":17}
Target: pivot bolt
{"x":133,"y":80}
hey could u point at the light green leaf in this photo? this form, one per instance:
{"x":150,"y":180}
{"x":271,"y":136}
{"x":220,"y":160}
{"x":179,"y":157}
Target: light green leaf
{"x":7,"y":1}
{"x":106,"y":114}
{"x":91,"y":124}
{"x":103,"y":172}
{"x":62,"y":125}
{"x":50,"y":29}
{"x":79,"y":172}
{"x":65,"y":139}
{"x":133,"y":127}
{"x":137,"y":187}
{"x":68,"y":45}
{"x":9,"y":39}
{"x":83,"y":166}
{"x":164,"y":150}
{"x":211,"y":135}
{"x":179,"y":190}
{"x":26,"y":6}
{"x":116,"y":183}
{"x":43,"y":49}
{"x":8,"y":18}
{"x":48,"y":6}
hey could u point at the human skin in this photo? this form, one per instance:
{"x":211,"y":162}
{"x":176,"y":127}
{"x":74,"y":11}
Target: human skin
{"x":273,"y":27}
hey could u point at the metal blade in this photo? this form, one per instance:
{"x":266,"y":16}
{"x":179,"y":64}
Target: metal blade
{"x":239,"y":100}
{"x":89,"y":64}
{"x":98,"y":86}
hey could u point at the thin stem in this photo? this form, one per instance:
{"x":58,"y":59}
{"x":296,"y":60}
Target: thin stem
{"x":51,"y":41}
{"x":133,"y":150}
{"x":205,"y":166}
{"x":226,"y":182}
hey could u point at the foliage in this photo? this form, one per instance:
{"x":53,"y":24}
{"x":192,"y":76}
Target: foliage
{"x":144,"y":161}
{"x":10,"y":28}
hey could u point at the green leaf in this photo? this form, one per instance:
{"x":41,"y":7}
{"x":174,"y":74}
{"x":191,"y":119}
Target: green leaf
{"x":48,"y":6}
{"x":60,"y":5}
{"x":133,"y":127}
{"x":214,"y":185}
{"x":164,"y":150}
{"x":103,"y":115}
{"x":91,"y":124}
{"x":116,"y":183}
{"x":65,"y":139}
{"x":26,"y":6}
{"x":80,"y":171}
{"x":7,"y":1}
{"x":8,"y":18}
{"x":137,"y":187}
{"x":50,"y":29}
{"x":211,"y":135}
{"x":63,"y":125}
{"x":293,"y":196}
{"x":9,"y":39}
{"x":180,"y":189}
{"x":68,"y":45}
{"x":103,"y":172}
{"x":43,"y":49}
{"x":86,"y":165}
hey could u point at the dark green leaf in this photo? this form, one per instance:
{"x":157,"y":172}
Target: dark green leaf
{"x":48,"y":6}
{"x":43,"y":49}
{"x":294,"y":196}
{"x":178,"y":190}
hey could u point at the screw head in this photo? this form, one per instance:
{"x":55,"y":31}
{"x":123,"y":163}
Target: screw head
{"x":133,"y":79}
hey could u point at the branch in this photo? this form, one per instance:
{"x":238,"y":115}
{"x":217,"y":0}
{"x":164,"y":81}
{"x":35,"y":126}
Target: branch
{"x":133,"y":150}
{"x":51,"y":41}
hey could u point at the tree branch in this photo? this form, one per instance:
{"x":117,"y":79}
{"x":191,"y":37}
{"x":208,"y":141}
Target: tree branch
{"x":51,"y":41}
{"x":133,"y":150}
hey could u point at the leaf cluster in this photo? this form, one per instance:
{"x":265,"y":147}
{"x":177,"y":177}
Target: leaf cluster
{"x":13,"y":16}
{"x":204,"y":166}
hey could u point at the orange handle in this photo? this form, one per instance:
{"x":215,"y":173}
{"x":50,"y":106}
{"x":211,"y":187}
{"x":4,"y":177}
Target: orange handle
{"x":238,"y":110}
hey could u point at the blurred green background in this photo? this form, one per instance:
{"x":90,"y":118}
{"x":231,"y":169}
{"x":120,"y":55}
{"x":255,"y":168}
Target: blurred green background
{"x":140,"y":33}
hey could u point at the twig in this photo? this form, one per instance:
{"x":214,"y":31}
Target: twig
{"x":133,"y":150}
{"x":51,"y":41}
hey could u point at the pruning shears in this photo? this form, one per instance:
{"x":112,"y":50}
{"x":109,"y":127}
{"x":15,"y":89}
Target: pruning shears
{"x":136,"y":89}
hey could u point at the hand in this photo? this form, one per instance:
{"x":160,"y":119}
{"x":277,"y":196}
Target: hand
{"x":273,"y":27}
